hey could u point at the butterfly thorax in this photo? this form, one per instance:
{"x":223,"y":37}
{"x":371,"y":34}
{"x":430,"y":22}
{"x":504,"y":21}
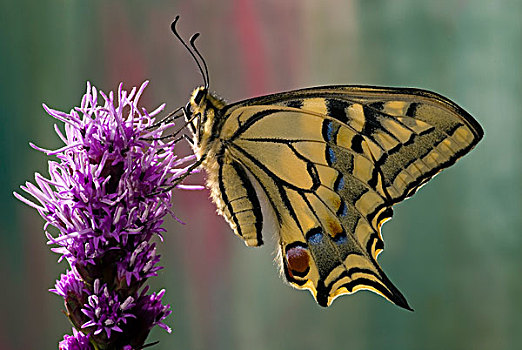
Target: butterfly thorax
{"x":204,"y":113}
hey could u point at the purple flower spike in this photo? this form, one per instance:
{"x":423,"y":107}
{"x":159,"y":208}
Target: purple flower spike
{"x":105,"y":199}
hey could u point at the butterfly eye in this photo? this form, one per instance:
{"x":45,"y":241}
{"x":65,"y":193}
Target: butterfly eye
{"x":199,"y":96}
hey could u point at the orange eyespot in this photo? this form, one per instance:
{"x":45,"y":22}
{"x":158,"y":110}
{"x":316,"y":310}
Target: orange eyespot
{"x":298,"y":261}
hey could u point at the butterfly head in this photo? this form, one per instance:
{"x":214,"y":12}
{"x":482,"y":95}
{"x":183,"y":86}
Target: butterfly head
{"x":195,"y":110}
{"x":201,"y":112}
{"x":202,"y":107}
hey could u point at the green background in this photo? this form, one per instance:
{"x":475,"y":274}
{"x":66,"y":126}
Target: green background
{"x":454,"y":250}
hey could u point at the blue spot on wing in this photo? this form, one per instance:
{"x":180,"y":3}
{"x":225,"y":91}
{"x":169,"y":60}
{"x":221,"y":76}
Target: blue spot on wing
{"x":330,"y":156}
{"x":314,"y":236}
{"x":339,"y":183}
{"x":343,"y":209}
{"x":340,"y":238}
{"x":328,"y":130}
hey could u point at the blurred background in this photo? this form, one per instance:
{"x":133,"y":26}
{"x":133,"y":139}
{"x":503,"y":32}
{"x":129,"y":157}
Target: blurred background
{"x":454,"y":249}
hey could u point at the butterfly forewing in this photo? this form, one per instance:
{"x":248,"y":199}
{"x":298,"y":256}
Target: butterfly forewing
{"x":331,"y":162}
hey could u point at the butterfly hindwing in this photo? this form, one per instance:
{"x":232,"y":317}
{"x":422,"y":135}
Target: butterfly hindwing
{"x":330,"y":163}
{"x":240,"y":203}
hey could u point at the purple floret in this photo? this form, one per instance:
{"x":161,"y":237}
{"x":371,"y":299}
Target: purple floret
{"x":69,"y":283}
{"x":150,"y":308}
{"x":77,"y":341}
{"x":105,"y":312}
{"x":140,"y":264}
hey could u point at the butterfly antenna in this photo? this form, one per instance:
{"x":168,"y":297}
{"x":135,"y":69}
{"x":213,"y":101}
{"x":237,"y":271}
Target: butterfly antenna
{"x":192,"y":43}
{"x":174,"y":30}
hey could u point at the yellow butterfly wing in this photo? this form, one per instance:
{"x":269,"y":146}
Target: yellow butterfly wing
{"x":330,"y":163}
